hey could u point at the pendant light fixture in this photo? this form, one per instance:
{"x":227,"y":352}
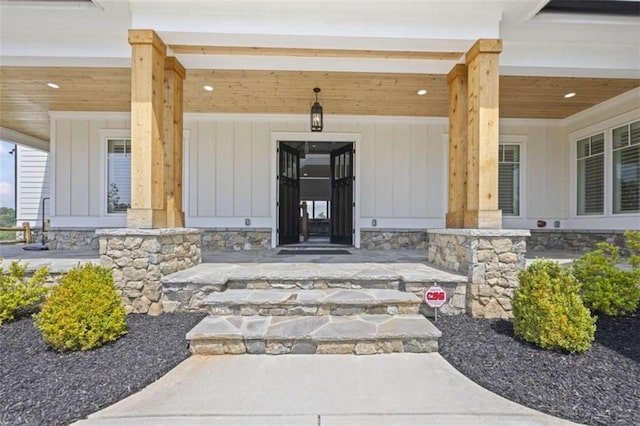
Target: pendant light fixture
{"x":316,"y":113}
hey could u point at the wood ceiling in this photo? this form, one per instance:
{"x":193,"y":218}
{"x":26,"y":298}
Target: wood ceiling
{"x":25,"y":99}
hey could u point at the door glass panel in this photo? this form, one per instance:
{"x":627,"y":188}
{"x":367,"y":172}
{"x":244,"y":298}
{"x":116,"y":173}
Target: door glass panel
{"x":348,"y":163}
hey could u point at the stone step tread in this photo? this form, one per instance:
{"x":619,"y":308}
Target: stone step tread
{"x":222,"y":273}
{"x":314,"y":328}
{"x":334,"y":297}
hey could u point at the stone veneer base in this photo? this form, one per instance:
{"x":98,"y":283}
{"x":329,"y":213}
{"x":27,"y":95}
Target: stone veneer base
{"x":393,"y":239}
{"x":236,"y":238}
{"x":491,"y":259}
{"x":579,"y":240}
{"x":70,"y":238}
{"x":139,"y":258}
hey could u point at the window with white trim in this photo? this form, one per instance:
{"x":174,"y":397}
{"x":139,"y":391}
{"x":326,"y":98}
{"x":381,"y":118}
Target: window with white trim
{"x":626,"y":168}
{"x":509,"y":179}
{"x":118,"y":175}
{"x":590,"y":159}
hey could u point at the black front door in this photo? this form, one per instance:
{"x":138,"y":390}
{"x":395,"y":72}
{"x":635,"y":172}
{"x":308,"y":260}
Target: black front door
{"x":342,"y":195}
{"x":289,"y":195}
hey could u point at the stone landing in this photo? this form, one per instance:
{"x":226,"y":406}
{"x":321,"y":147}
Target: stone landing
{"x":187,"y":290}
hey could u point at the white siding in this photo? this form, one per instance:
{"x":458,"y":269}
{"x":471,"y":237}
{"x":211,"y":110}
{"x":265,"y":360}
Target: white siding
{"x":78,"y":160}
{"x":544,"y":193}
{"x":402,"y":168}
{"x":32,"y":180}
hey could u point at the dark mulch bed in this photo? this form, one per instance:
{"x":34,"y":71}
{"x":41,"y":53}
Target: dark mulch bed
{"x":39,"y":386}
{"x":599,"y":387}
{"x":602,"y":387}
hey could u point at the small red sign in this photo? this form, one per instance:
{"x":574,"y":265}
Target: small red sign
{"x":435,"y":296}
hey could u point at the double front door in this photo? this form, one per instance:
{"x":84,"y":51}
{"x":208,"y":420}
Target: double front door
{"x":341,"y":196}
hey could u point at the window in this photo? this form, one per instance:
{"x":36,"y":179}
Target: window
{"x":626,"y":168}
{"x":118,"y":175}
{"x":318,"y":209}
{"x":509,"y":179}
{"x":591,"y":175}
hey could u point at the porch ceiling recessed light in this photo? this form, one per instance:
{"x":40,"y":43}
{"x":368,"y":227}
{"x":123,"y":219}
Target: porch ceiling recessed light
{"x":208,"y":88}
{"x":53,"y":85}
{"x":422,"y":92}
{"x":570,"y":95}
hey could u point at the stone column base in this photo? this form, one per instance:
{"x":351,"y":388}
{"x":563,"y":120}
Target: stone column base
{"x":491,"y":259}
{"x":139,"y":258}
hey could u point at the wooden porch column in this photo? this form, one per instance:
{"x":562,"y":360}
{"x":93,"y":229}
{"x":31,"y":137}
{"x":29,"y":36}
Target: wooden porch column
{"x":458,"y":125}
{"x":174,"y":75}
{"x":148,"y":209}
{"x":482,"y":151}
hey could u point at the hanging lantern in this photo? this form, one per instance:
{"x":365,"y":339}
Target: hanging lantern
{"x":316,"y":114}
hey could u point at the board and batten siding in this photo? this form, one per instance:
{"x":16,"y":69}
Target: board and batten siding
{"x":32,"y":182}
{"x":229,"y":168}
{"x":79,"y":159}
{"x":544,"y":157}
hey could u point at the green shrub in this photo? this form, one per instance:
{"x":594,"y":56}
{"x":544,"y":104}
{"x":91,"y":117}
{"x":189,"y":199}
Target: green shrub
{"x":18,"y":295}
{"x":548,"y":311}
{"x":632,"y":241}
{"x":605,"y":287}
{"x":83,"y":311}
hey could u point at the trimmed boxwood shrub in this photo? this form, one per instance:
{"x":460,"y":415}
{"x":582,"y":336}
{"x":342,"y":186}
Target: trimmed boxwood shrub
{"x":605,"y":287}
{"x":548,"y":311}
{"x":19,"y":296}
{"x":83,"y":311}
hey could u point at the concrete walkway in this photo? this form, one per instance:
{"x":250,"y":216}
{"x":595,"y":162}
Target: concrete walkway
{"x":394,"y":389}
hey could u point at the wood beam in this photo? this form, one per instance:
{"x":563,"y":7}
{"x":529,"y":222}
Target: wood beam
{"x":174,"y":75}
{"x":483,"y":134}
{"x":148,"y":209}
{"x":313,"y":53}
{"x":458,"y":127}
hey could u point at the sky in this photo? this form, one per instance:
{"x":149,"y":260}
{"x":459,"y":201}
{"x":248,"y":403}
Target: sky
{"x":7,"y":175}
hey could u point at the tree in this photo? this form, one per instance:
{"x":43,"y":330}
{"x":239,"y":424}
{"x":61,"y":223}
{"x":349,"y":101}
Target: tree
{"x":7,"y":216}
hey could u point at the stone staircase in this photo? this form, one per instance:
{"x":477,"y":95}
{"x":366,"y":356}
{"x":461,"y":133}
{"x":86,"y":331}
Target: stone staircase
{"x":304,"y":308}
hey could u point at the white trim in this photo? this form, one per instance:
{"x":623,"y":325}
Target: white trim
{"x":112,"y":221}
{"x":631,"y":97}
{"x":12,"y":136}
{"x":445,"y":192}
{"x":617,"y":222}
{"x":521,"y":141}
{"x":228,"y":222}
{"x":52,"y":158}
{"x":192,"y":117}
{"x":531,"y":122}
{"x":186,"y":137}
{"x":199,"y":116}
{"x":106,"y":115}
{"x":607,"y":220}
{"x":606,"y":125}
{"x":276,"y":137}
{"x":389,"y":223}
{"x":105,"y":135}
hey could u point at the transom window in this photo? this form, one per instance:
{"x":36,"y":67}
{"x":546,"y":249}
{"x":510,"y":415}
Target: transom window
{"x":118,"y":175}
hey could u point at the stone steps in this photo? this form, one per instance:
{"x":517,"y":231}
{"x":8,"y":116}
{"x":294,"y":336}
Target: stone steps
{"x":326,"y":334}
{"x":337,"y":302}
{"x":296,"y":308}
{"x":187,"y":290}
